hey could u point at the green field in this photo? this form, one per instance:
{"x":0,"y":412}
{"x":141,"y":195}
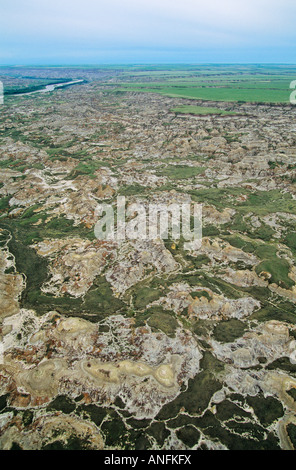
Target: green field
{"x":233,"y":83}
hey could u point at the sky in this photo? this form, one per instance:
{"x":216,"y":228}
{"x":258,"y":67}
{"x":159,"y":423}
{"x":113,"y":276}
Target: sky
{"x":64,"y":32}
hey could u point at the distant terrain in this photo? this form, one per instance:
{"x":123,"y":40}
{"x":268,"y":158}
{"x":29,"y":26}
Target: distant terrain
{"x":249,"y":83}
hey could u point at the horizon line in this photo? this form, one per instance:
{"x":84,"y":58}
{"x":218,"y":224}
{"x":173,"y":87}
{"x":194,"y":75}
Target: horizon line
{"x":142,"y":64}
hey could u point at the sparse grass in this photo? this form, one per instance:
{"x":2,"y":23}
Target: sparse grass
{"x":179,"y":172}
{"x":201,"y":110}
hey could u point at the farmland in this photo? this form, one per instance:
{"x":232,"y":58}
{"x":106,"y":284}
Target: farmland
{"x":266,"y":84}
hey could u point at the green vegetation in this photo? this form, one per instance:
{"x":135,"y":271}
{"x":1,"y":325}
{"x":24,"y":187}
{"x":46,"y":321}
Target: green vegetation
{"x":245,"y":83}
{"x":144,"y":296}
{"x":179,"y":172}
{"x":228,"y":331}
{"x":87,"y":168}
{"x":4,"y":204}
{"x":62,"y":403}
{"x":159,"y":432}
{"x":133,"y":189}
{"x":199,"y":392}
{"x":224,"y":93}
{"x":93,"y":412}
{"x":291,"y":429}
{"x":292,"y":393}
{"x":267,"y":409}
{"x":189,"y":435}
{"x":278,"y":269}
{"x":260,"y":203}
{"x":73,"y":443}
{"x":114,"y":431}
{"x":99,"y":300}
{"x":290,"y":241}
{"x":163,"y":321}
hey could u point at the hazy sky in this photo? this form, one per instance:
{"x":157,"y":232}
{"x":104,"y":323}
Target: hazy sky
{"x":146,"y":31}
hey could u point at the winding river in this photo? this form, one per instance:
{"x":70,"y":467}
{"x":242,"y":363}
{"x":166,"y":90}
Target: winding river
{"x":48,"y":88}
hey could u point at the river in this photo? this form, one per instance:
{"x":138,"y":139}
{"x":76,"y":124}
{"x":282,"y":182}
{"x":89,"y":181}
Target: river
{"x":48,"y":88}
